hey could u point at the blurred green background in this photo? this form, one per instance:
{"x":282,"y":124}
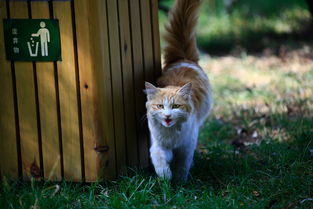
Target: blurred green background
{"x":232,"y":26}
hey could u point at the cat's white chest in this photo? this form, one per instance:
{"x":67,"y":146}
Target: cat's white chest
{"x":172,"y":138}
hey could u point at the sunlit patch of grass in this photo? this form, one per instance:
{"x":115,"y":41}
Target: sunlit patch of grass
{"x":248,"y":27}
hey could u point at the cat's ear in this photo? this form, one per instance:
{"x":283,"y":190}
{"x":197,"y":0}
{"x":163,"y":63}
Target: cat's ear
{"x":150,"y":90}
{"x":185,"y":90}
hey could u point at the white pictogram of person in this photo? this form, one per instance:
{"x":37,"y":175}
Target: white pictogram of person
{"x":44,"y":35}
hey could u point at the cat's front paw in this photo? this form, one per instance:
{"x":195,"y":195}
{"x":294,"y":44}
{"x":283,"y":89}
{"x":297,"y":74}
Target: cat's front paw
{"x":165,"y":173}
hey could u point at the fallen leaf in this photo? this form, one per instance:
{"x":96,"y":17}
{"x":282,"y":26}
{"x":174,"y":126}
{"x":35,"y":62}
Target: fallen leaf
{"x":256,"y":194}
{"x":255,"y":134}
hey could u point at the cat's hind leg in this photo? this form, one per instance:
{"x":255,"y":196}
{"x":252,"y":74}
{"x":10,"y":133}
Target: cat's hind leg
{"x":181,"y":164}
{"x":161,"y":159}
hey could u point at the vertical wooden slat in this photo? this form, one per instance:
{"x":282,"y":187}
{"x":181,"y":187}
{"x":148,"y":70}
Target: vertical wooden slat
{"x":148,"y":63}
{"x":26,"y":105}
{"x":117,"y":85}
{"x":147,"y":40}
{"x":68,"y":95}
{"x":8,"y":146}
{"x":156,"y":39}
{"x":47,"y":107}
{"x":126,"y":55}
{"x":98,"y":137}
{"x":138,"y":66}
{"x":87,"y":87}
{"x":104,"y":95}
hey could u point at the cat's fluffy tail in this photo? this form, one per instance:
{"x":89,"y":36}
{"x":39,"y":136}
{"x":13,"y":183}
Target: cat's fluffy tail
{"x":180,"y":36}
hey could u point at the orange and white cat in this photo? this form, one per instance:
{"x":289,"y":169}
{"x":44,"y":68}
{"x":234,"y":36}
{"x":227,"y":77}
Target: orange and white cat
{"x":177,"y":108}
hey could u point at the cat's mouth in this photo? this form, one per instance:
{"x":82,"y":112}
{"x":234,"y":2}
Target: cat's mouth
{"x":168,"y":121}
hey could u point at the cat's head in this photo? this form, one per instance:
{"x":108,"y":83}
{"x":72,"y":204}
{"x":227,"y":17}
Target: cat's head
{"x":168,"y":106}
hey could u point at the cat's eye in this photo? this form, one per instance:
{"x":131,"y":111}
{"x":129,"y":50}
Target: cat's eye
{"x":175,"y":106}
{"x":160,"y":106}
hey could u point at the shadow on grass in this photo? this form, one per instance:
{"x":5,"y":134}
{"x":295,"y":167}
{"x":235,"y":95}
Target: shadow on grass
{"x":281,"y":164}
{"x":275,"y":174}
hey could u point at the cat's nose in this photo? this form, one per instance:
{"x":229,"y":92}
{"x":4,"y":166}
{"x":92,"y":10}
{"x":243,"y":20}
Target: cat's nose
{"x":167,"y":116}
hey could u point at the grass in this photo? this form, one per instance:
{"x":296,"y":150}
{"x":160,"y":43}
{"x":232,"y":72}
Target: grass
{"x":254,"y":150}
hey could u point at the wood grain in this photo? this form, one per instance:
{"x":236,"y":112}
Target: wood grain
{"x":128,"y":84}
{"x":107,"y":165}
{"x":139,"y":78}
{"x":26,"y":106}
{"x":148,"y":58}
{"x":48,"y":107}
{"x":156,"y":39}
{"x":8,"y":146}
{"x":99,"y":153}
{"x":87,"y":111}
{"x":147,"y":40}
{"x":117,"y":86}
{"x":68,"y":94}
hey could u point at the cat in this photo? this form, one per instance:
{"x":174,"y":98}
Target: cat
{"x":177,"y":108}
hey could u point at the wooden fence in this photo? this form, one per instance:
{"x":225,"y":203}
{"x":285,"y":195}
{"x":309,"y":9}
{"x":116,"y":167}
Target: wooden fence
{"x":82,"y":118}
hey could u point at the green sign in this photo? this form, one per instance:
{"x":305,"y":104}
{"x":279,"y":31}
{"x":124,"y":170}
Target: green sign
{"x":32,"y":39}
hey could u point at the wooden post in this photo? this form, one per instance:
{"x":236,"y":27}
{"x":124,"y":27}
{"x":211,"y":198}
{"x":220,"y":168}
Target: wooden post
{"x":82,"y":118}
